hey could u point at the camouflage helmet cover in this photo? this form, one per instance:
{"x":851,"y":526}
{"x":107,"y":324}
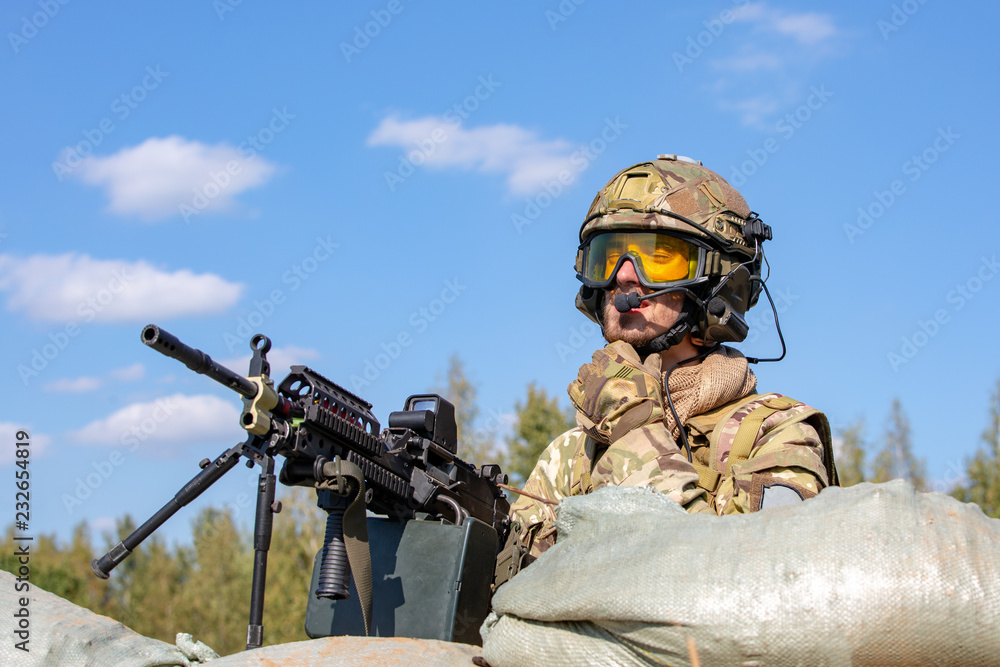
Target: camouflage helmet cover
{"x":641,"y":197}
{"x":674,"y":193}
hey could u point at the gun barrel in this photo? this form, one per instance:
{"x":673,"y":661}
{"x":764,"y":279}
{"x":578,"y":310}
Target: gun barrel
{"x":166,"y":343}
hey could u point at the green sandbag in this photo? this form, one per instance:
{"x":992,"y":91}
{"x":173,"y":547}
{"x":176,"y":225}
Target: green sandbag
{"x":868,"y":575}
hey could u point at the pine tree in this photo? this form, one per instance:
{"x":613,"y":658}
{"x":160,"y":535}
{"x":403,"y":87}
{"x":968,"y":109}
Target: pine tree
{"x":474,"y":446}
{"x":850,"y":454}
{"x":983,"y":469}
{"x":539,"y":420}
{"x":896,"y":459}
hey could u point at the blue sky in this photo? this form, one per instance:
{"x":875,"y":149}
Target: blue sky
{"x":380,"y":185}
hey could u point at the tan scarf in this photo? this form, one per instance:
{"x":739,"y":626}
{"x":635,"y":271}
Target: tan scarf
{"x":723,"y":376}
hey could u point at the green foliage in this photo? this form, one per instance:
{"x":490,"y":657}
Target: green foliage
{"x":298,"y":535}
{"x":64,"y":571}
{"x":203,"y":589}
{"x":983,"y":469}
{"x":151,"y":578}
{"x":539,"y":420}
{"x":217,"y":594}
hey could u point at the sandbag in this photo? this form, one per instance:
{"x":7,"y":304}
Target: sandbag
{"x":357,"y":652}
{"x":62,"y":633}
{"x":867,"y":575}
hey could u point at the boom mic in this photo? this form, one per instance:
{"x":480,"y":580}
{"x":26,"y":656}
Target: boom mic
{"x":630,"y":300}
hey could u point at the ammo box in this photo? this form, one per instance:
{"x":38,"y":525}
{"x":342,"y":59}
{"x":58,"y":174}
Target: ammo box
{"x":431,"y":580}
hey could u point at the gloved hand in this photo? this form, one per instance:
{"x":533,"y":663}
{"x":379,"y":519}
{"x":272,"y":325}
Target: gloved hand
{"x":617,"y":393}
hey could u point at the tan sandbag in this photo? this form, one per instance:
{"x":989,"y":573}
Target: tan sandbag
{"x":357,"y":652}
{"x":62,"y":633}
{"x":875,"y":574}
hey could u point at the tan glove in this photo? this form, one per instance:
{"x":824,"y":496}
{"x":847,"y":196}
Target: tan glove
{"x":617,"y":393}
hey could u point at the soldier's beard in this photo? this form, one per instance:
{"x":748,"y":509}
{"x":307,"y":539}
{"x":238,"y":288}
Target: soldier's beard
{"x":638,"y":329}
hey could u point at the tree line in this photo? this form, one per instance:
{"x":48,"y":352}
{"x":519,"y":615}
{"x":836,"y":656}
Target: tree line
{"x":859,"y":461}
{"x":204,"y":587}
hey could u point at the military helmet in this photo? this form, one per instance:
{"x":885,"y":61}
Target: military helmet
{"x":677,"y":196}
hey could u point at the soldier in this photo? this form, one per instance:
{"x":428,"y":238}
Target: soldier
{"x":670,"y":259}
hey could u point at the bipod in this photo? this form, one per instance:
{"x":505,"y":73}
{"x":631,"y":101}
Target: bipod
{"x":267,"y":507}
{"x":211,"y":472}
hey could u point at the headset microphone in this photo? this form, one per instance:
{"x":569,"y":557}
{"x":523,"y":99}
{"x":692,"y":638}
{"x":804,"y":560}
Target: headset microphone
{"x":630,"y":300}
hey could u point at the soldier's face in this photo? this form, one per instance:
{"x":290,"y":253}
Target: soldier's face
{"x":640,"y":325}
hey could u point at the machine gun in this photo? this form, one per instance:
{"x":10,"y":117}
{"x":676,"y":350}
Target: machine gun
{"x":331,"y":441}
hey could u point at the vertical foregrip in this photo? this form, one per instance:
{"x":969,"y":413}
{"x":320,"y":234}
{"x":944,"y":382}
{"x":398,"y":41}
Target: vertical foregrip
{"x":334,"y":570}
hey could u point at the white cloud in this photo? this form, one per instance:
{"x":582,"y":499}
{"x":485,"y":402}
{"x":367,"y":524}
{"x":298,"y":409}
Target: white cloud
{"x":89,"y":383}
{"x":755,"y":109}
{"x":128,"y":373}
{"x":154,"y":179}
{"x":103,"y":524}
{"x":39,"y":443}
{"x":808,"y":28}
{"x":527,"y":160}
{"x":78,"y":288}
{"x":767,"y":62}
{"x":79,"y":385}
{"x":169,"y":423}
{"x":280,"y":358}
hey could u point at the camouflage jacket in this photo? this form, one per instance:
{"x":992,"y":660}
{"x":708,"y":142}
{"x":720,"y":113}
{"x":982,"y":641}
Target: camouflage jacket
{"x":791,"y":446}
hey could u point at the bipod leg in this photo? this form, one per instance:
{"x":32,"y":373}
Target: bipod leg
{"x":210,"y":473}
{"x":263,"y":524}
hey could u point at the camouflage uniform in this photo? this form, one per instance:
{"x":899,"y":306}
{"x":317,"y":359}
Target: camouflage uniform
{"x":788,"y":449}
{"x":626,"y":436}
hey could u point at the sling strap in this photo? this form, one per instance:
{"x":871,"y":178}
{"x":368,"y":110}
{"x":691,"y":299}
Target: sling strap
{"x":709,"y":425}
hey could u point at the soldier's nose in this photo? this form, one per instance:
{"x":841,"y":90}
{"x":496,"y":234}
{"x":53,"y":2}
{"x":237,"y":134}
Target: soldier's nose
{"x":626,"y":276}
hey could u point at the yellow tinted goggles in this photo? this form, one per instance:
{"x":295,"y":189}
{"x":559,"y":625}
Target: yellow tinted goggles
{"x":659,"y":258}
